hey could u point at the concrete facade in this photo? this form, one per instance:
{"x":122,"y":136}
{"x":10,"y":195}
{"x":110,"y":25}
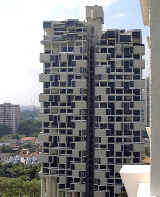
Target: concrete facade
{"x":92,"y":106}
{"x":10,"y":116}
{"x":151,"y":17}
{"x":155,"y":95}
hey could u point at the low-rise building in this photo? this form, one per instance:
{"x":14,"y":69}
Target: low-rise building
{"x":28,"y":140}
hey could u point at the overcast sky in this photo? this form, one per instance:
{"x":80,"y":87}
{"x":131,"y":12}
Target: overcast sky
{"x":21,"y":31}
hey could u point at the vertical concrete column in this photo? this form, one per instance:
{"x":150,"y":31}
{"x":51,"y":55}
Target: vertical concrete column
{"x":61,"y":194}
{"x":54,"y":187}
{"x":155,"y":93}
{"x":47,"y":186}
{"x":50,"y":186}
{"x":76,"y":194}
{"x":43,"y":186}
{"x":42,"y":192}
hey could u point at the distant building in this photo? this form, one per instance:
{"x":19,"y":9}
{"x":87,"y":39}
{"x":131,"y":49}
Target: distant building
{"x":28,"y":140}
{"x":5,"y":157}
{"x":29,"y":158}
{"x":10,"y":115}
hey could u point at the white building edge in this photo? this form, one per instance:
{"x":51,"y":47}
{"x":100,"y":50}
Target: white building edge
{"x":144,"y":180}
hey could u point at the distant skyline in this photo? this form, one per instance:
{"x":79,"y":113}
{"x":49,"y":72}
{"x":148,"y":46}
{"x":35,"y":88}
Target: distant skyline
{"x":21,"y":33}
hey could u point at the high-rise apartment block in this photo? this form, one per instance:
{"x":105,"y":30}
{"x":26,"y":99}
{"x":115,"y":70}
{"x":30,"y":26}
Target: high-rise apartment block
{"x":92,"y":106}
{"x":10,"y":115}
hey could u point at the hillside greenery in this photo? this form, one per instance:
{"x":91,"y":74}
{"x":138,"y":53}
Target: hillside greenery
{"x":4,"y":130}
{"x":19,"y":180}
{"x":28,"y":115}
{"x":29,"y":127}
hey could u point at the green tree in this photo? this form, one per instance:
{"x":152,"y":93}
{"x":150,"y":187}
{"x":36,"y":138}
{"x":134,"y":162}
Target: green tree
{"x":29,"y":127}
{"x":4,"y":130}
{"x":15,"y":136}
{"x":25,"y":172}
{"x":18,"y":186}
{"x":28,"y":115}
{"x":6,"y":149}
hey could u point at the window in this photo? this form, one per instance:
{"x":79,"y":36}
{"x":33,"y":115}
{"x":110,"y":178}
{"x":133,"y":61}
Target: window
{"x":111,"y":76}
{"x":136,"y":133}
{"x":112,"y":51}
{"x":136,"y":34}
{"x":70,"y":91}
{"x":119,"y":70}
{"x":111,"y":119}
{"x":79,"y":57}
{"x":118,"y":161}
{"x":127,"y":53}
{"x":103,"y":84}
{"x":136,"y":56}
{"x":125,"y":38}
{"x":111,"y":98}
{"x":103,"y":50}
{"x":127,"y":77}
{"x":110,"y":34}
{"x":136,"y":77}
{"x":127,"y":98}
{"x":136,"y":154}
{"x":63,"y":91}
{"x":118,"y":154}
{"x":103,"y":105}
{"x":136,"y":112}
{"x":127,"y":154}
{"x":108,"y":91}
{"x":136,"y":160}
{"x":136,"y":118}
{"x":119,"y":112}
{"x":119,"y":98}
{"x":118,"y":119}
{"x":119,"y":76}
{"x":47,"y":24}
{"x":127,"y":119}
{"x":127,"y":139}
{"x":118,"y":140}
{"x":136,"y":91}
{"x":127,"y":132}
{"x":119,"y":91}
{"x":136,"y":98}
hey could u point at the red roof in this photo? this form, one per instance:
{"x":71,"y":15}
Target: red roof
{"x":146,"y":160}
{"x":28,"y":139}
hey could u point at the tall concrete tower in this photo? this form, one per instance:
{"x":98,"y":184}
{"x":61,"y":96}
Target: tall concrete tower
{"x":92,"y":106}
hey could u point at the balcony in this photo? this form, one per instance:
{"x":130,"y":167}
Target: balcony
{"x":139,"y":64}
{"x":44,"y":117}
{"x":42,"y":157}
{"x":43,"y":98}
{"x":44,"y":78}
{"x":42,"y":138}
{"x":44,"y":58}
{"x":139,"y":50}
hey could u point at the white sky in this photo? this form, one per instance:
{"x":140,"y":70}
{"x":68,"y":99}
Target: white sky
{"x":21,"y":32}
{"x":20,"y":35}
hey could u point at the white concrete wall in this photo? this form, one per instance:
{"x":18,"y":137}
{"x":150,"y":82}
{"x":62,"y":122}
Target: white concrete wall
{"x":133,"y":176}
{"x":155,"y":102}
